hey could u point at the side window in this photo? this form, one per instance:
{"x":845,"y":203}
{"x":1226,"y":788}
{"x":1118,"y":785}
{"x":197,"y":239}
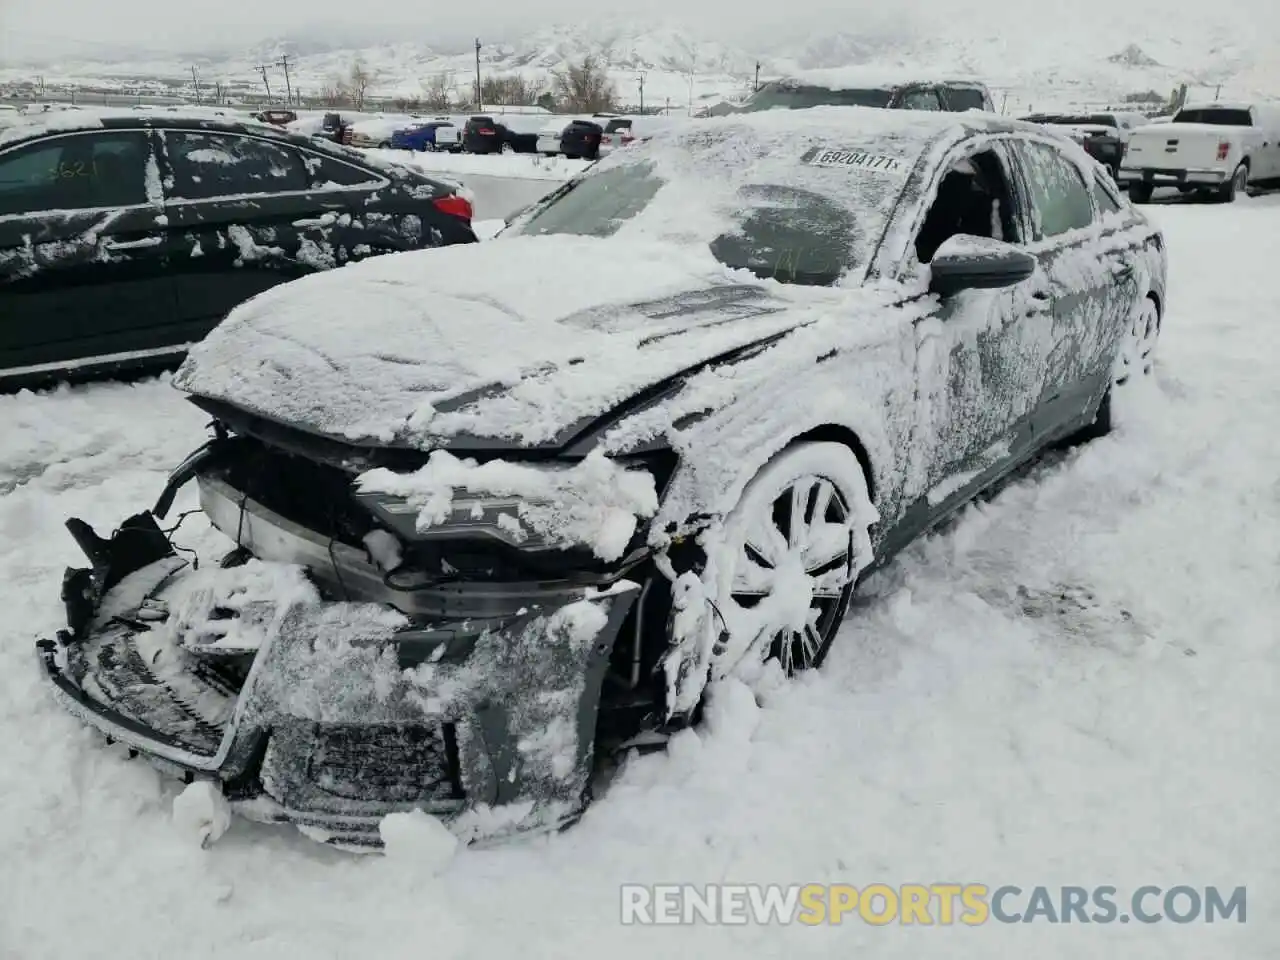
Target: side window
{"x":1103,"y":198}
{"x":1059,"y":198}
{"x":973,"y":199}
{"x":921,"y":99}
{"x":75,"y":172}
{"x":207,"y":165}
{"x":329,"y":172}
{"x":960,"y":99}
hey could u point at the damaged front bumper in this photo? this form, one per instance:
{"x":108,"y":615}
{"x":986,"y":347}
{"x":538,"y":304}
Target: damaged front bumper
{"x":473,"y":702}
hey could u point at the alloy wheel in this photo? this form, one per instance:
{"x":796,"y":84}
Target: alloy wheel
{"x":791,"y":569}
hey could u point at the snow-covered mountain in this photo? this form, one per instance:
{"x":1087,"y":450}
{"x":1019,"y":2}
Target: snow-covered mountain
{"x":1077,"y":59}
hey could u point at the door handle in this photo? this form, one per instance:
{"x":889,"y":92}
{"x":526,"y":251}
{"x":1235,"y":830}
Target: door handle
{"x":1039,"y":302}
{"x":132,"y":244}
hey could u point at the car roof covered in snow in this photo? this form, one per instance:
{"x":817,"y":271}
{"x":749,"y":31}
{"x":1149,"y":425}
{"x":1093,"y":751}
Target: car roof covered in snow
{"x":70,"y":119}
{"x":876,"y":78}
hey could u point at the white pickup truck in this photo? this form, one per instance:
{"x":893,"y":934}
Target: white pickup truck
{"x":1216,"y":148}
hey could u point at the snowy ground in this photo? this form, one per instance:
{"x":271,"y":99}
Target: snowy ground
{"x":1074,"y":684}
{"x":517,"y":166}
{"x":502,"y":184}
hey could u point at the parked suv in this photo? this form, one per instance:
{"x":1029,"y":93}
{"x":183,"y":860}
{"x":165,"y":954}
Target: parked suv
{"x":846,"y":88}
{"x":581,"y":140}
{"x":484,"y":134}
{"x":125,"y":237}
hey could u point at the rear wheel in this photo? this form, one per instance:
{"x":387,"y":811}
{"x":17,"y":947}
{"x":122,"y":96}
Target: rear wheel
{"x":1140,"y":192}
{"x":1135,"y":361}
{"x":1238,"y":183}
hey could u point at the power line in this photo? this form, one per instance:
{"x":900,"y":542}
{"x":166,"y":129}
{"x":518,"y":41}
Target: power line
{"x":262,"y":69}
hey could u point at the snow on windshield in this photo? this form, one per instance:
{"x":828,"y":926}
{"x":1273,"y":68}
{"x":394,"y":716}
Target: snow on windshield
{"x":783,"y":196}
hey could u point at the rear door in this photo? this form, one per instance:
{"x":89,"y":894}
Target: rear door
{"x":232,"y":200}
{"x":84,"y":254}
{"x":1090,"y":278}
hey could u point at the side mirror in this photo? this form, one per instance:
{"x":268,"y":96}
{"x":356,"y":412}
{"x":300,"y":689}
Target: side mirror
{"x":964,"y":262}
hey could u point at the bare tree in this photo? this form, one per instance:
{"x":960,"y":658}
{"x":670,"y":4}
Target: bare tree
{"x":334,"y":94}
{"x":358,"y":83}
{"x":584,"y":87}
{"x":510,"y":90}
{"x":437,"y":92}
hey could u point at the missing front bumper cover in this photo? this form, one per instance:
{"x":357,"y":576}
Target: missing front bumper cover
{"x":348,"y":710}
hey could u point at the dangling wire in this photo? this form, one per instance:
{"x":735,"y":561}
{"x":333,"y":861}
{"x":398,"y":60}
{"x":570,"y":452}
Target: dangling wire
{"x":178,"y":548}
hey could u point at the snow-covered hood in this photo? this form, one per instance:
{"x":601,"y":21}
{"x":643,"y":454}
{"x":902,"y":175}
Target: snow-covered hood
{"x":525,"y":341}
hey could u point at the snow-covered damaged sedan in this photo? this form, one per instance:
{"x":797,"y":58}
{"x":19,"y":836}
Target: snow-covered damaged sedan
{"x":493,"y":510}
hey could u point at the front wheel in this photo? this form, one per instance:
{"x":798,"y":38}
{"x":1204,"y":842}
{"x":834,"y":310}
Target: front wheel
{"x":506,"y":148}
{"x":781,"y":568}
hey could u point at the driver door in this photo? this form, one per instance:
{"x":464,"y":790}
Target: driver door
{"x":980,"y":353}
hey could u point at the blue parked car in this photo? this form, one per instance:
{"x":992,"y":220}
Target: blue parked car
{"x":432,"y":135}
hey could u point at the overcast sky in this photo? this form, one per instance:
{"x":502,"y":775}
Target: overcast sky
{"x":70,"y":27}
{"x":83,"y":27}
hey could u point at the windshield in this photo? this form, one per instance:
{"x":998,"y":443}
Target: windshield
{"x":785,"y":233}
{"x":1216,"y":115}
{"x":794,"y":96}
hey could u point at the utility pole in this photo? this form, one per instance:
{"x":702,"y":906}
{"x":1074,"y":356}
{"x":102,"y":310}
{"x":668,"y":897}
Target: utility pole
{"x":757,"y":86}
{"x":288,"y":87}
{"x":640,"y":81}
{"x":479,"y":99}
{"x":195,"y":82}
{"x":265,"y":82}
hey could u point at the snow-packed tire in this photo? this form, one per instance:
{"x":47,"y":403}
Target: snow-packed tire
{"x":1135,"y":362}
{"x":1238,"y":184}
{"x":779,"y":588}
{"x":1140,"y":192}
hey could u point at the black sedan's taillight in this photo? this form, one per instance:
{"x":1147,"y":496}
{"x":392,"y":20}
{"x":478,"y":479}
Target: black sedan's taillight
{"x":455,"y":205}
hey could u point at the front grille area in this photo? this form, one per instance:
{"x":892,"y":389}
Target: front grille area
{"x":318,"y":495}
{"x":314,"y":495}
{"x":398,"y":763}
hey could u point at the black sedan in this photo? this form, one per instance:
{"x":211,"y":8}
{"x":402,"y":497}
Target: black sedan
{"x":125,"y":237}
{"x":474,"y":535}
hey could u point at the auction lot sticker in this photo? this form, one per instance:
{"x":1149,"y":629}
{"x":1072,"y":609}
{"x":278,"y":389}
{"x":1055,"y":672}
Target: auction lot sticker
{"x":858,"y":159}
